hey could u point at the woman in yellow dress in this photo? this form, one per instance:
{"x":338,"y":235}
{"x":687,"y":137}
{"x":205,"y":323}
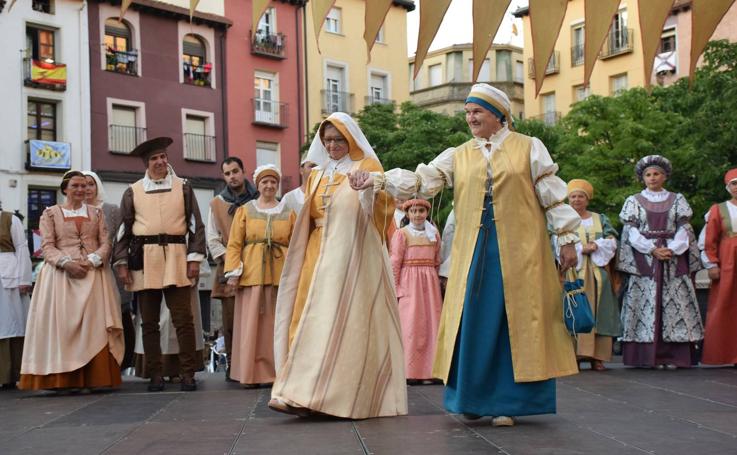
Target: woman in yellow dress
{"x":337,"y":344}
{"x":257,"y":246}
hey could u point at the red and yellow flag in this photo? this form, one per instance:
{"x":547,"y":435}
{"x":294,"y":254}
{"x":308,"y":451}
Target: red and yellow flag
{"x":48,"y":73}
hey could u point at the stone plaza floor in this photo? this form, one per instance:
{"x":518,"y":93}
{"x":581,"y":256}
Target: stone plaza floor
{"x":621,"y":411}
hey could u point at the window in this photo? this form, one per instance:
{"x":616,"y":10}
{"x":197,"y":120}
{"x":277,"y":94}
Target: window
{"x":126,"y":126}
{"x":43,"y":6}
{"x":333,"y":21}
{"x":581,"y":92}
{"x":336,"y":99}
{"x":436,"y":74}
{"x":519,"y":71}
{"x":268,"y":153}
{"x":119,"y":55}
{"x":550,"y":115}
{"x":380,"y":35}
{"x":503,"y":66}
{"x":618,"y":83}
{"x":618,"y":35}
{"x":199,"y":143}
{"x":40,"y":44}
{"x":194,"y":61}
{"x":41,"y":120}
{"x":267,"y":23}
{"x":266,"y":106}
{"x":378,"y":89}
{"x":577,"y":46}
{"x":39,"y":199}
{"x":484,"y":72}
{"x":668,"y":41}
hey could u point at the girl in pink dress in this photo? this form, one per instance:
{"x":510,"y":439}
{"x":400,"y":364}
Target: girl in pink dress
{"x":415,"y":256}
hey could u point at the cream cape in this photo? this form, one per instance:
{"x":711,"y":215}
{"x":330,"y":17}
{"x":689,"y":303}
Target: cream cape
{"x":346,"y":359}
{"x":541,"y":347}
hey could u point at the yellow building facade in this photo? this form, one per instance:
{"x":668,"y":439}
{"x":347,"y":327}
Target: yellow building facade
{"x":340,"y":77}
{"x":619,"y":66}
{"x":445,"y":78}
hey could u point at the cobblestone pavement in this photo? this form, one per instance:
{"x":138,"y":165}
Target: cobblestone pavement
{"x":621,"y":411}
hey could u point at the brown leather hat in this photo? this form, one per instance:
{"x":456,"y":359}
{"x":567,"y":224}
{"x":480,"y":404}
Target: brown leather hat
{"x":151,"y":147}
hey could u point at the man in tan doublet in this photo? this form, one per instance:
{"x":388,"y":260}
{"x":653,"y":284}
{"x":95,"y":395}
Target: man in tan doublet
{"x":160,"y":245}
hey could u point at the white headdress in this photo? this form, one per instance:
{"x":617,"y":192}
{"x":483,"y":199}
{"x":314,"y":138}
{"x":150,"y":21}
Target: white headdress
{"x":319,"y":155}
{"x":264,"y":170}
{"x":100,"y":189}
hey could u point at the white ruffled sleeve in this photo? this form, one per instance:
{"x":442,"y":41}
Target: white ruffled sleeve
{"x":551,"y":193}
{"x":679,"y":244}
{"x":605,"y":250}
{"x":427,"y":180}
{"x":638,"y":242}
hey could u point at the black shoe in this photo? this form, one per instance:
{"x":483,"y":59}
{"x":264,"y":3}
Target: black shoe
{"x":188,"y":384}
{"x":156,"y":384}
{"x":469,"y":416}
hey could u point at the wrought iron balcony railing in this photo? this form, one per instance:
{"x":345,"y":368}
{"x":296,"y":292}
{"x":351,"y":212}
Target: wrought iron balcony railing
{"x":125,"y":62}
{"x":48,"y":75}
{"x":618,"y":42}
{"x":199,"y":147}
{"x":269,"y":113}
{"x":368,"y":100}
{"x":269,"y":44}
{"x":577,"y":55}
{"x":335,"y":101}
{"x":123,"y":139}
{"x":552,"y":68}
{"x":197,"y":74}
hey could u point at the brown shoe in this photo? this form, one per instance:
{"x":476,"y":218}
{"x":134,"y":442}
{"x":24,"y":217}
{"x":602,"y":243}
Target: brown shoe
{"x":156,"y":384}
{"x":279,"y":406}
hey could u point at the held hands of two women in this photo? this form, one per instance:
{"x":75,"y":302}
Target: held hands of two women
{"x":360,"y":180}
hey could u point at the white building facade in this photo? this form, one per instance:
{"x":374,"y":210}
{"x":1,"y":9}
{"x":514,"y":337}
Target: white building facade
{"x":45,"y":122}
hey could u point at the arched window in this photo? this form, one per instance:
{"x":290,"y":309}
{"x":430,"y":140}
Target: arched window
{"x":119,"y":52}
{"x":194,"y":61}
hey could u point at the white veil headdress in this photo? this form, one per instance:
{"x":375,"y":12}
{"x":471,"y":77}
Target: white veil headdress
{"x":319,"y":155}
{"x":100,"y":188}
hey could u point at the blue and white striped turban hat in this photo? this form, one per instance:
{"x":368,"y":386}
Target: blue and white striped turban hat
{"x":493,"y":100}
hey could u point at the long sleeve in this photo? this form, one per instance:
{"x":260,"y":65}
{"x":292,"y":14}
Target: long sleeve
{"x":214,"y":237}
{"x":398,"y":247}
{"x":125,"y":231}
{"x":551,"y":193}
{"x":679,"y":244}
{"x":196,"y":243}
{"x":447,"y":244}
{"x":638,"y":241}
{"x":103,"y":237}
{"x":713,"y":236}
{"x":605,"y":251}
{"x":52,"y":255}
{"x":236,"y":239}
{"x":427,"y":180}
{"x":22,"y":256}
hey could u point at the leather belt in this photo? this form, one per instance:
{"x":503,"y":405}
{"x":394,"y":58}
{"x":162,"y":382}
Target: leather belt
{"x":160,"y":239}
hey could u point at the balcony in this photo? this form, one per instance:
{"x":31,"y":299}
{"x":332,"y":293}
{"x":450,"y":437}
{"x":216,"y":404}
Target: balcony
{"x":44,"y":74}
{"x":552,"y":68}
{"x":369,"y":100}
{"x":269,"y":113}
{"x":124,"y":62}
{"x":197,"y":74}
{"x":666,"y":63}
{"x":334,"y":101}
{"x":577,"y":55}
{"x":41,"y":6}
{"x":269,"y":44}
{"x":123,"y":139}
{"x":548,"y":118}
{"x":451,"y":96}
{"x":617,"y":42}
{"x":199,"y":147}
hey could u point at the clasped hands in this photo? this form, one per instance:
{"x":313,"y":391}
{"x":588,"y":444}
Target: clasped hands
{"x":662,"y":254}
{"x":76,"y":269}
{"x":360,"y":180}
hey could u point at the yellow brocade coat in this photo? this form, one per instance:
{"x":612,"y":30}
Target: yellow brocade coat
{"x":541,"y":347}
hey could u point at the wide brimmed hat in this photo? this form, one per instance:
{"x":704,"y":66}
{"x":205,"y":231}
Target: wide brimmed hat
{"x":151,"y":147}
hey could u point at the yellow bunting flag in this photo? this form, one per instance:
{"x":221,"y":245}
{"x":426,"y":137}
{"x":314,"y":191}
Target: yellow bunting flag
{"x":192,"y":7}
{"x":11,"y":5}
{"x":705,"y":16}
{"x":487,"y":16}
{"x":320,"y":10}
{"x":653,"y":14}
{"x":431,"y":16}
{"x":124,"y":7}
{"x":598,"y":14}
{"x":259,"y":6}
{"x":376,"y":11}
{"x":546,"y":17}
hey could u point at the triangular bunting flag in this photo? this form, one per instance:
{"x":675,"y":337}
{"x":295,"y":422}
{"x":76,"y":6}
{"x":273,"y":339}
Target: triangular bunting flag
{"x":705,"y":16}
{"x":487,"y":16}
{"x":598,"y":21}
{"x":320,"y":10}
{"x":653,"y":14}
{"x":376,"y":11}
{"x":546,"y":17}
{"x":431,"y":16}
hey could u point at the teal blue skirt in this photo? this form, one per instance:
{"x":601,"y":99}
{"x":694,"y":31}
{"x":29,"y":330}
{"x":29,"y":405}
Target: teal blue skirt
{"x":481,"y":379}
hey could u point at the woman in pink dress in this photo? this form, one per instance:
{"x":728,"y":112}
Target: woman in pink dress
{"x":415,"y":260}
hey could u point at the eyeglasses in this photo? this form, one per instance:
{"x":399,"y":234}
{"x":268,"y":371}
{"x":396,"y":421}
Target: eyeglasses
{"x":334,"y":140}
